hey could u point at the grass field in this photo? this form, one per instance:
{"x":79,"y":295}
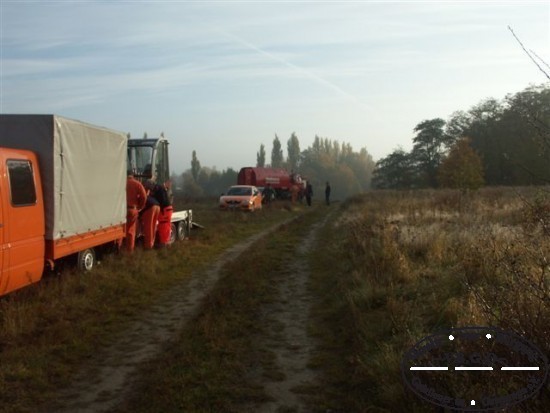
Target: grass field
{"x":49,"y":329}
{"x":406,"y":264}
{"x":389,"y":268}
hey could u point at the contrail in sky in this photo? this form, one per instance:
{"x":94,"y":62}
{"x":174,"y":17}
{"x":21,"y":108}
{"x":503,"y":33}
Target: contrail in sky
{"x":298,"y":69}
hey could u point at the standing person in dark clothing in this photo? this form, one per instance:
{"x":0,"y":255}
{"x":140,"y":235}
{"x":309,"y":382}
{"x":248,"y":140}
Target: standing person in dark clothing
{"x":160,"y":193}
{"x":309,"y":193}
{"x":327,"y":194}
{"x":267,"y":194}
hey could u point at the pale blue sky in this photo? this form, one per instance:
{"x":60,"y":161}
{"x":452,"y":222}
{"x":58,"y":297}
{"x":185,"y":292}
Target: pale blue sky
{"x":222,"y":77}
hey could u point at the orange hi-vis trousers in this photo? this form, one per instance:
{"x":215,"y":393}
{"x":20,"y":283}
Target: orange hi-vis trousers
{"x":149,"y":220}
{"x":131,"y":225}
{"x":165,"y":225}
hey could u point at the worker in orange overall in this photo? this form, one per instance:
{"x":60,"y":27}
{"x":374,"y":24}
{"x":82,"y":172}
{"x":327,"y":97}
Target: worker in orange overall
{"x":135,"y":201}
{"x":149,"y":217}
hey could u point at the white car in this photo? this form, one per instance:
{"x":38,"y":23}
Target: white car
{"x":242,"y":197}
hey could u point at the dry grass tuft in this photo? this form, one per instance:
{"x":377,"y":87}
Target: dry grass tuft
{"x":412,"y":263}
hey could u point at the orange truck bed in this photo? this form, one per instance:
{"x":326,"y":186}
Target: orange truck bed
{"x":60,"y":248}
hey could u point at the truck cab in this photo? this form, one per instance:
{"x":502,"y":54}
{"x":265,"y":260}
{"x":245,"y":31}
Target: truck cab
{"x":148,"y":159}
{"x":22,"y":225}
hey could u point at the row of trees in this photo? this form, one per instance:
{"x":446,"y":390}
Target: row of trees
{"x":497,"y":142}
{"x":348,"y":171}
{"x":277,"y":158}
{"x":325,"y":160}
{"x":203,"y":181}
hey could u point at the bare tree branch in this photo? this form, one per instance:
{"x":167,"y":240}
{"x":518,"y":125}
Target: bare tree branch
{"x":540,"y":58}
{"x":528,"y":54}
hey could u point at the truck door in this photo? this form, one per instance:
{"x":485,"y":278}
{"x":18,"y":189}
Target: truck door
{"x":22,"y":218}
{"x":2,"y":246}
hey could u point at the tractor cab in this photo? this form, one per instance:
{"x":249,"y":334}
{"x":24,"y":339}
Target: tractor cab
{"x":148,"y":159}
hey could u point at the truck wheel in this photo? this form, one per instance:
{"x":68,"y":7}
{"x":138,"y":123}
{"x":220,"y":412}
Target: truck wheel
{"x":86,"y":260}
{"x":182,"y":230}
{"x":173,"y":232}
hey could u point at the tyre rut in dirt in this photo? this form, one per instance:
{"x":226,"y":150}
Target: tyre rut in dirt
{"x":289,"y":341}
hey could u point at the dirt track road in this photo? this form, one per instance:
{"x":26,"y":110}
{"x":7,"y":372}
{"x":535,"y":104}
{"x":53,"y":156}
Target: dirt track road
{"x":105,"y":383}
{"x":289,"y":339}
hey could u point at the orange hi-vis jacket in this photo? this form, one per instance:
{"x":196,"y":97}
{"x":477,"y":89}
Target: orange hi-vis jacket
{"x":135,"y":200}
{"x":135,"y":194}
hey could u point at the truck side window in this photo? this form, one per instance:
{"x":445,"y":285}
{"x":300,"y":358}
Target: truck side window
{"x":23,"y":191}
{"x":161,"y":167}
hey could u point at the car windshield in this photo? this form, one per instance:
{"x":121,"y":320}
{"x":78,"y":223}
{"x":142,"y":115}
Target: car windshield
{"x":239,"y":191}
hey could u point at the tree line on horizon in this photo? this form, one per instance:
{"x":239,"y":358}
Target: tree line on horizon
{"x":326,"y":160}
{"x":494,"y":143}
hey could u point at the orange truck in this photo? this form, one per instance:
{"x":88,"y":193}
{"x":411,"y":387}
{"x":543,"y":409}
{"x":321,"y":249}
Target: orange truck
{"x":62,"y":193}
